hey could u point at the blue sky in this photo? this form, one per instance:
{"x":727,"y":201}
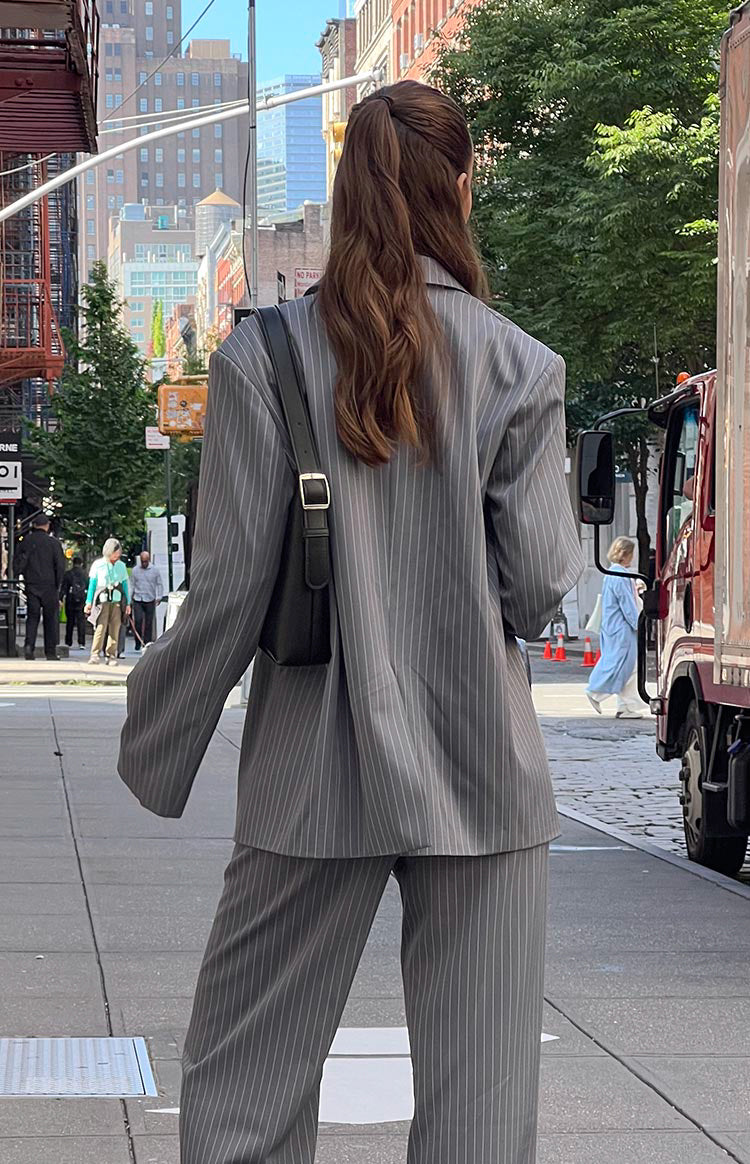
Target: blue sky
{"x":287,"y":30}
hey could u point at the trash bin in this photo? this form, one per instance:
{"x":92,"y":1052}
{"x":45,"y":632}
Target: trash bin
{"x":174,"y":601}
{"x":8,"y":611}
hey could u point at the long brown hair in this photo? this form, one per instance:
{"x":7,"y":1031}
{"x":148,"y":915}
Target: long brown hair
{"x":396,"y":197}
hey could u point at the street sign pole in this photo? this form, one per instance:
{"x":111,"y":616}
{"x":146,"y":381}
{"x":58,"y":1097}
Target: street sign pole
{"x":11,"y":539}
{"x":168,"y":476}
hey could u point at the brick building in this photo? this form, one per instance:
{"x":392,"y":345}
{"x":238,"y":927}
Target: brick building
{"x":419,"y":29}
{"x":374,"y":20}
{"x":136,"y":36}
{"x":338,"y":50}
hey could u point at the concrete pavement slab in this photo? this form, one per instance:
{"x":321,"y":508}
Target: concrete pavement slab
{"x":206,"y":871}
{"x":580,"y":1094}
{"x":738,"y":1144}
{"x":178,"y":900}
{"x":65,"y":1150}
{"x":39,"y":1018}
{"x":60,"y":1117}
{"x":665,"y":1026}
{"x":348,"y":1149}
{"x":153,"y":933}
{"x":164,"y":1020}
{"x":156,"y":1150}
{"x":715,"y":1092}
{"x":374,"y":1012}
{"x":646,"y":975}
{"x":45,"y":933}
{"x":153,"y":975}
{"x":29,"y":870}
{"x":136,"y":850}
{"x":49,"y":976}
{"x":43,"y":899}
{"x":619,"y":1148}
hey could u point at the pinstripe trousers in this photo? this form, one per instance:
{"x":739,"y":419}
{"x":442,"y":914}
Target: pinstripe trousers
{"x":280,"y":961}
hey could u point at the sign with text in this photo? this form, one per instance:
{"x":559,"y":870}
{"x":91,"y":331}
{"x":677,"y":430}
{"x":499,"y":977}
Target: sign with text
{"x":156,"y":439}
{"x":11,"y":482}
{"x":10,"y":444}
{"x":304,"y":279}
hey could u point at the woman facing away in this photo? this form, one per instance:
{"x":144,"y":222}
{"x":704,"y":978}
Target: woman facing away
{"x":415,"y":751}
{"x":108,"y":588}
{"x":615,"y":673}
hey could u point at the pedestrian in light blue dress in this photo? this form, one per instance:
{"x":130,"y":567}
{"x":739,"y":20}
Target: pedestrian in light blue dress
{"x":615,"y":673}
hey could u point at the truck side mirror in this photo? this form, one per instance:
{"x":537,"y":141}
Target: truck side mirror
{"x":595,"y":471}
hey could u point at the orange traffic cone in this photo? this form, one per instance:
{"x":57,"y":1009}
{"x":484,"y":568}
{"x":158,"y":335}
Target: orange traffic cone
{"x":588,"y":654}
{"x":560,"y":656}
{"x":547,"y":649}
{"x":598,"y":657}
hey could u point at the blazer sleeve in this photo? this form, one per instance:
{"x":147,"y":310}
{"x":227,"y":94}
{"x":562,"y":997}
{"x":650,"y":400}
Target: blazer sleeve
{"x":537,"y":548}
{"x":177,"y":691}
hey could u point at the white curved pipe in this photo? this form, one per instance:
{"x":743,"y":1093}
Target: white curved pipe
{"x":375,"y":77}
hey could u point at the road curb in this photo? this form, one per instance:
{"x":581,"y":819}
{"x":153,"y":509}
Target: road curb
{"x":683,"y":863}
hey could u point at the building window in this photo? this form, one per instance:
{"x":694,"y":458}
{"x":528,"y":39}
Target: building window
{"x":144,"y":180}
{"x":196,"y":156}
{"x":91,"y":251}
{"x":149,"y":32}
{"x":90,"y":229}
{"x":195,"y":79}
{"x":180,"y":102}
{"x":218,"y":180}
{"x":118,"y":50}
{"x":110,"y":101}
{"x":120,"y":201}
{"x":157,"y":78}
{"x":90,"y":178}
{"x":217,"y":157}
{"x":195,"y":102}
{"x":180,"y":79}
{"x":148,"y":8}
{"x":157,"y":104}
{"x":159,"y":201}
{"x":217,"y":80}
{"x":144,"y":154}
{"x":218,"y":131}
{"x":111,"y":202}
{"x":170,"y":12}
{"x":108,"y":50}
{"x":159,"y":154}
{"x":111,"y":176}
{"x":170,"y":36}
{"x":181,"y":177}
{"x":89,"y":201}
{"x":109,"y":7}
{"x":196,"y":133}
{"x":196,"y":180}
{"x":118,"y":100}
{"x":119,"y":177}
{"x":149,"y":54}
{"x":160,"y":179}
{"x":143,"y":104}
{"x":142,"y":78}
{"x":181,"y":156}
{"x":123,"y":7}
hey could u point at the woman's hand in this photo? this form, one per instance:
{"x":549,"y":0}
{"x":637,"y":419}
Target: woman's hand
{"x":127,"y":612}
{"x":87,"y":608}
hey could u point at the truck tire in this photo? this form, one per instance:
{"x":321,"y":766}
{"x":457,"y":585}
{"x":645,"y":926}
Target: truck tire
{"x":724,"y":854}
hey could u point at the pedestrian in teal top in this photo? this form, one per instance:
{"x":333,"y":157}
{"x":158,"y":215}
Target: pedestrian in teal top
{"x":615,"y":673}
{"x":108,"y":588}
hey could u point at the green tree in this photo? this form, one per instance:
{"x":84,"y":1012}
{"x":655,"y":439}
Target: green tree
{"x":158,"y":336}
{"x":596,"y":132}
{"x":95,"y":456}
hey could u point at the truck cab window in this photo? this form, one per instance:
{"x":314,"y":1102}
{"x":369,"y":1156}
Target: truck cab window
{"x":681,"y":478}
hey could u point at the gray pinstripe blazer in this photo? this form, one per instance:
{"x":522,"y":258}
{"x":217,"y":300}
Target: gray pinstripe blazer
{"x":420,"y":735}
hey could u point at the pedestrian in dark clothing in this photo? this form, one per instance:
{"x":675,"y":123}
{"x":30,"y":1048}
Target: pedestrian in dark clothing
{"x":41,"y":562}
{"x":73,"y":594}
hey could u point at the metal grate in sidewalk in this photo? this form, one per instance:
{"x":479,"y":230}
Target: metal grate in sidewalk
{"x":75,"y":1068}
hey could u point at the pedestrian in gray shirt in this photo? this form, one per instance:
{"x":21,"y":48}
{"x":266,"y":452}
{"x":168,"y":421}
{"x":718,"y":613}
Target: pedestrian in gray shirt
{"x":147,"y":589}
{"x":415,"y":750}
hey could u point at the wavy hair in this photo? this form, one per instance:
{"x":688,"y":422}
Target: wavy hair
{"x":395,"y":197}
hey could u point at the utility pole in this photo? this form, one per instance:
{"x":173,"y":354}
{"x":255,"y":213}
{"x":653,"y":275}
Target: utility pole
{"x":168,"y":483}
{"x":252,"y":147}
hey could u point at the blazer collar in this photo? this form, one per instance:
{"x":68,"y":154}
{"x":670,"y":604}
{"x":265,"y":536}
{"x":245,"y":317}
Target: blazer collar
{"x":437,"y":276}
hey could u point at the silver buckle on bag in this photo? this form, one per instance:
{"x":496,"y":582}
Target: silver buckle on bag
{"x":303,"y":477}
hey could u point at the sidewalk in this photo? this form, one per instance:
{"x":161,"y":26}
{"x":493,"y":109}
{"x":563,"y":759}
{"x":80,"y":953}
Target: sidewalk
{"x":104,"y":911}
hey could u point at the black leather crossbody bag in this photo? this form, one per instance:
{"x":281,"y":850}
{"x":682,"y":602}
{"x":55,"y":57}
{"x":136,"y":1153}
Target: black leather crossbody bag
{"x":297,"y":630}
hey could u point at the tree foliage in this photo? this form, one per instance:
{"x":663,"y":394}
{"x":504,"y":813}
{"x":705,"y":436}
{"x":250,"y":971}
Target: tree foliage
{"x":596,"y":129}
{"x":158,"y":335}
{"x":100,"y":472}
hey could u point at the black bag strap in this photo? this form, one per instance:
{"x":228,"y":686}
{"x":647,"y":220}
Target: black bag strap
{"x":314,"y":489}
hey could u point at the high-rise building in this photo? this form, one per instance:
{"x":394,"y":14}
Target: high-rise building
{"x":152,"y":258}
{"x":136,"y":81}
{"x":420,"y":29}
{"x":374,"y":39}
{"x":291,"y":151}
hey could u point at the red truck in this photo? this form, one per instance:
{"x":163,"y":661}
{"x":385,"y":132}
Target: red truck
{"x":700,"y":598}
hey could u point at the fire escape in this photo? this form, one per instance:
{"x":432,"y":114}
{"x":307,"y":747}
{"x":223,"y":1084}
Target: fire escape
{"x":48,"y":80}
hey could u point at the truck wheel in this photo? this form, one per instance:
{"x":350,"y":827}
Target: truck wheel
{"x":724,"y":854}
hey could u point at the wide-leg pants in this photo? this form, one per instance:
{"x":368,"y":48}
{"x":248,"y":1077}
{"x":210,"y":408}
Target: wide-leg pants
{"x":278,"y":968}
